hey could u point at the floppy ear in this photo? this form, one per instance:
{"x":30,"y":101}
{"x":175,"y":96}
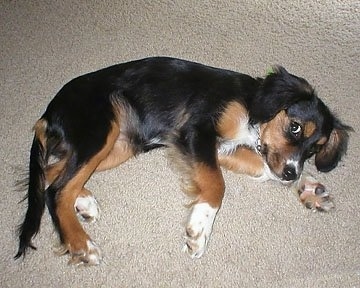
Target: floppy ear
{"x":278,"y":91}
{"x":333,"y":150}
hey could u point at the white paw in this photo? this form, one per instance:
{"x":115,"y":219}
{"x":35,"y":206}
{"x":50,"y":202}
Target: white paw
{"x":198,"y":229}
{"x":89,"y":257}
{"x":266,"y":175}
{"x":87,"y":208}
{"x":314,"y":195}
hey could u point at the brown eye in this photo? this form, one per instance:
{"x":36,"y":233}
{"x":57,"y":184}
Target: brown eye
{"x":295,"y":128}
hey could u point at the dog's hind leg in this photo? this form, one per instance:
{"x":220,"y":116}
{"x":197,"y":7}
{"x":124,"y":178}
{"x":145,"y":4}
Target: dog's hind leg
{"x":61,"y":200}
{"x":86,"y":206}
{"x":120,"y":153}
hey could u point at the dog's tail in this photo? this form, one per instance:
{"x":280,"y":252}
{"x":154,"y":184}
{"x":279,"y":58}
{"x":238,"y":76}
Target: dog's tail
{"x":36,"y":186}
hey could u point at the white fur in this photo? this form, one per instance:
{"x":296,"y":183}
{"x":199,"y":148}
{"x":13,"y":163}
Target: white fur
{"x":247,"y":135}
{"x":155,"y":141}
{"x":87,"y":208}
{"x":267,"y":175}
{"x":94,"y":255}
{"x":199,"y":229}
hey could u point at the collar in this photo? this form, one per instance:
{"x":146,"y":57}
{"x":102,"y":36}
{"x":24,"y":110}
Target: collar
{"x":258,"y":140}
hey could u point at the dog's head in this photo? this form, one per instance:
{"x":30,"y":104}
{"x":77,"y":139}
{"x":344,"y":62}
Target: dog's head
{"x":294,"y":125}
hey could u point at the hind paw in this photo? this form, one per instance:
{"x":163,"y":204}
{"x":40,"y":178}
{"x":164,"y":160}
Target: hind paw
{"x":87,"y":208}
{"x":89,"y":256}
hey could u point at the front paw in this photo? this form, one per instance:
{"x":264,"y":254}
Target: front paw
{"x":195,"y":242}
{"x":198,"y":229}
{"x":314,"y":195}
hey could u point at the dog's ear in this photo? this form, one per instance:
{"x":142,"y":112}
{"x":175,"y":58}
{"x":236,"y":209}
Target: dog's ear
{"x":334,"y":148}
{"x":278,"y":91}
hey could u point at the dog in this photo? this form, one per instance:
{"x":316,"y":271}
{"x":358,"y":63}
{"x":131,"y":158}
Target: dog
{"x":207,"y":118}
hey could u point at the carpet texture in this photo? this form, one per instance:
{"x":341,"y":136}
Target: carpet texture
{"x":263,"y":237}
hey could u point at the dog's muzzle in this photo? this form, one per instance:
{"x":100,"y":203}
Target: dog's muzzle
{"x":289,"y":173}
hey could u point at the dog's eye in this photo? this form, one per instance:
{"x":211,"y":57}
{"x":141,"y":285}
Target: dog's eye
{"x":295,"y":128}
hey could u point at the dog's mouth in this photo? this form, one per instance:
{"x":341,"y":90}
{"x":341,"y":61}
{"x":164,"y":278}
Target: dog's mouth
{"x":288,"y":174}
{"x":278,"y":178}
{"x":284,"y":170}
{"x":287,"y":182}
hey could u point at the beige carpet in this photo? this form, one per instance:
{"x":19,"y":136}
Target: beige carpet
{"x":263,"y":237}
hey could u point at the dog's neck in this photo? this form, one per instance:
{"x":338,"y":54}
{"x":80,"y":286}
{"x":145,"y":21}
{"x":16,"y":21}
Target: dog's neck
{"x":258,"y":140}
{"x":248,"y":135}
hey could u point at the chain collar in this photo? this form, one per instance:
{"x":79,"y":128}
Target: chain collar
{"x":258,"y":141}
{"x":258,"y":146}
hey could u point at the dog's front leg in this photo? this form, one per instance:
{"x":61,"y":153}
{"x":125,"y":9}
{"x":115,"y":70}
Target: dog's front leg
{"x":313,"y":194}
{"x":244,"y":161}
{"x":208,"y":188}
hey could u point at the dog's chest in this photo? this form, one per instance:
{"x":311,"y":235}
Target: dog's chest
{"x":247,"y":135}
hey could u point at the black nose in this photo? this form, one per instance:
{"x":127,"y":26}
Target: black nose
{"x":289,"y":173}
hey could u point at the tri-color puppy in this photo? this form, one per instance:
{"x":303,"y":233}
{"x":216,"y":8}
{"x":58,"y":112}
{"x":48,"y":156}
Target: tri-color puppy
{"x":207,"y":117}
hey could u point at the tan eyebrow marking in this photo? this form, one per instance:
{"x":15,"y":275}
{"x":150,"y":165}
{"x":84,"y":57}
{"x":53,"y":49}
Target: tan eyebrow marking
{"x":228,"y":125}
{"x":309,"y":128}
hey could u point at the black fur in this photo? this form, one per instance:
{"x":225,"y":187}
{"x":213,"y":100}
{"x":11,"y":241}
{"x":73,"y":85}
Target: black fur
{"x":175,"y":102}
{"x":278,"y":91}
{"x":36,"y":203}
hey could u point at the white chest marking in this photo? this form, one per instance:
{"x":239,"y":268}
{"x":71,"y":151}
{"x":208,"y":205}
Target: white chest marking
{"x":246,"y":135}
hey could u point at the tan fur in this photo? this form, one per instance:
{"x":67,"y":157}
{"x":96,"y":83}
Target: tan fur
{"x":74,"y":236}
{"x":53,"y":171}
{"x":121,"y":152}
{"x":209,"y":183}
{"x":330,"y":147}
{"x":228,"y":124}
{"x":244,"y":161}
{"x":309,"y":129}
{"x":40,"y":131}
{"x":273,"y":137}
{"x":322,"y":141}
